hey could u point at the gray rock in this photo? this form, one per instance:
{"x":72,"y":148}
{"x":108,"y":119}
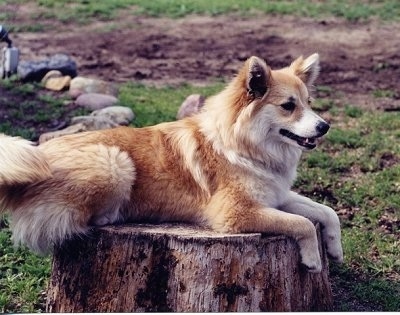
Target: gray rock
{"x":112,"y":116}
{"x":81,"y":123}
{"x":190,"y":106}
{"x":119,"y":114}
{"x":81,"y":85}
{"x":36,"y":70}
{"x":106,"y":118}
{"x":94,"y":122}
{"x":74,"y":93}
{"x":84,"y":123}
{"x":94,"y":101}
{"x":67,"y":131}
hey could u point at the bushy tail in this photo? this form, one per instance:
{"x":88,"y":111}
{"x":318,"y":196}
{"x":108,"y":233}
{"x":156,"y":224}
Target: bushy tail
{"x":21,"y":162}
{"x":48,"y":193}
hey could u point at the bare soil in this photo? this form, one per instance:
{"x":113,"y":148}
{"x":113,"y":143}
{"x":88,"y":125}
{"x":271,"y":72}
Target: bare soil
{"x":357,"y":59}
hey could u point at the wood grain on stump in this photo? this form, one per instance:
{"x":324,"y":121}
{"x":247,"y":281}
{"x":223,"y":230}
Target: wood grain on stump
{"x":137,"y":268}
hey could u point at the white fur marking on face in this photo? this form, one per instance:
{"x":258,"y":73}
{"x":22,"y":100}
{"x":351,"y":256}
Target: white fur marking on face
{"x":306,"y":125}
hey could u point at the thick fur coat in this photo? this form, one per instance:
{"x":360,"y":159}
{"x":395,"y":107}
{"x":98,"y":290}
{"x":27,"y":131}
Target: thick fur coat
{"x":229,"y":168}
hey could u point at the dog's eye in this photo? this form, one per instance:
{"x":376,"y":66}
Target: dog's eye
{"x":290,"y":106}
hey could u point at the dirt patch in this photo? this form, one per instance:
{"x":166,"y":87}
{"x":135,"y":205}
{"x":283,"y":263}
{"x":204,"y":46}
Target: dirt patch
{"x":356,"y":58}
{"x":28,"y":113}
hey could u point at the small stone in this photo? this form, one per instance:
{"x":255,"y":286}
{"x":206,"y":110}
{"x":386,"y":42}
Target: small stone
{"x":190,"y":106}
{"x":94,"y":122}
{"x":67,"y":131}
{"x":105,"y":118}
{"x":94,"y":101}
{"x":58,"y":84}
{"x":80,"y":85}
{"x":80,"y":124}
{"x":121,"y":115}
{"x":74,"y":93}
{"x":51,"y":74}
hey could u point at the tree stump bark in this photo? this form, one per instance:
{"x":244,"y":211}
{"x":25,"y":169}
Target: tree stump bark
{"x":179,"y":268}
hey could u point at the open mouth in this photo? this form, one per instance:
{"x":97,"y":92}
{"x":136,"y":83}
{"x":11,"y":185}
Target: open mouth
{"x":308,"y":143}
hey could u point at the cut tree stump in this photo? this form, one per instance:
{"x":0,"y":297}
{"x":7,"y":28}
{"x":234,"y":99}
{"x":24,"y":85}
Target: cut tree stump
{"x":179,"y":268}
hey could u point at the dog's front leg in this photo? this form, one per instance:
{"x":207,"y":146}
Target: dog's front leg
{"x":304,"y":206}
{"x":231,"y":215}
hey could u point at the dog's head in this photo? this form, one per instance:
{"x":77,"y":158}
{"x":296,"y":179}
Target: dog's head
{"x":274,"y":105}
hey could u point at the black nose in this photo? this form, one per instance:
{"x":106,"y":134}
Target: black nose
{"x":322,"y":128}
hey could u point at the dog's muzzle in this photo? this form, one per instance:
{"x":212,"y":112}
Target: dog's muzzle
{"x":308,"y":143}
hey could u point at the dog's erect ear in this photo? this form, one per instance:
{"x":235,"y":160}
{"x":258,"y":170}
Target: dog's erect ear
{"x":306,"y":69}
{"x":258,"y":74}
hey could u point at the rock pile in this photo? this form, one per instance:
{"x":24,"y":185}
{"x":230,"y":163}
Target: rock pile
{"x":98,"y":96}
{"x":109,"y":117}
{"x":59,"y":73}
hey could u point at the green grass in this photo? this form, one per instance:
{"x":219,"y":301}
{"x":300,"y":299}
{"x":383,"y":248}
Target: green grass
{"x":154,"y":105}
{"x":28,"y":108}
{"x":384,"y":93}
{"x":356,"y":171}
{"x":374,"y":293}
{"x":85,"y":11}
{"x":352,"y":10}
{"x":23,"y":278}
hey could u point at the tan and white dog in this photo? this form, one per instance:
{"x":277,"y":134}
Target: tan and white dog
{"x":229,"y":168}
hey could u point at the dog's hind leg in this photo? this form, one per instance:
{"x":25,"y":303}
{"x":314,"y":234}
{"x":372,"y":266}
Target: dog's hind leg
{"x":304,"y":206}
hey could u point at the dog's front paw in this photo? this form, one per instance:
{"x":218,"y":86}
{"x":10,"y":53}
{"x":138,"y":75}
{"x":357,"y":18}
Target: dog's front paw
{"x":335,"y":251}
{"x":313,"y":264}
{"x":310,"y":257}
{"x":333,"y":243}
{"x":332,"y":235}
